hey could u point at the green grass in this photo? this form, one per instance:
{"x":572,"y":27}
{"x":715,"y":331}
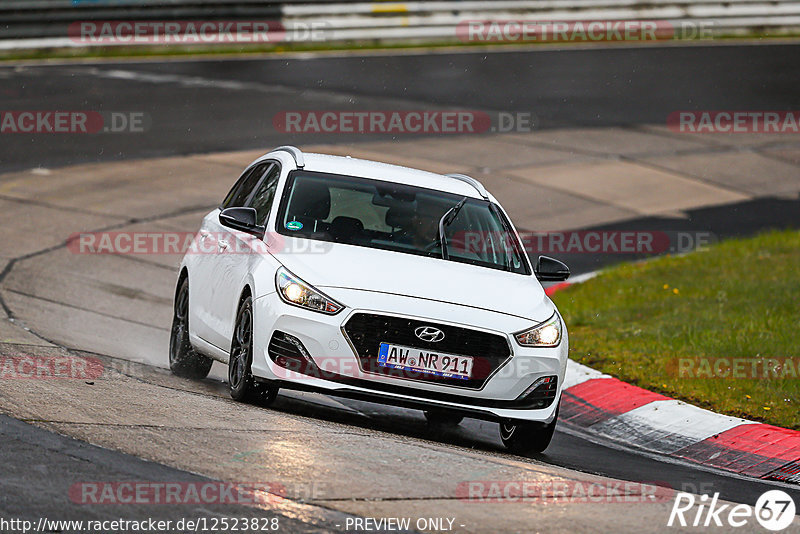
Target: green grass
{"x":737,"y":299}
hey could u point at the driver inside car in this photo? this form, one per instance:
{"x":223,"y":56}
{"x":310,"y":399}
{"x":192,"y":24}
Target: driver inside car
{"x":416,"y":223}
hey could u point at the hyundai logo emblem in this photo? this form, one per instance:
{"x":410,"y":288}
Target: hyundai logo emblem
{"x":429,"y":333}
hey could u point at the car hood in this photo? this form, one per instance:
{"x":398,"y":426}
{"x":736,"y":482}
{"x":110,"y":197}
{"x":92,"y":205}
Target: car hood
{"x":361,"y":268}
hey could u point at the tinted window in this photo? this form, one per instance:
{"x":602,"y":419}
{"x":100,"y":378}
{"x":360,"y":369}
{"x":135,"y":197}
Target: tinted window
{"x":265,"y":193}
{"x":397,"y":217}
{"x":237,"y":197}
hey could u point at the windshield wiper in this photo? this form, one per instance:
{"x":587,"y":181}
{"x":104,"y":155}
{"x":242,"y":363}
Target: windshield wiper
{"x":446,"y":220}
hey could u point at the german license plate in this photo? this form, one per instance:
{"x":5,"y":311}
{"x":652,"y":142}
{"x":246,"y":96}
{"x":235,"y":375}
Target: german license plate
{"x":425,"y":361}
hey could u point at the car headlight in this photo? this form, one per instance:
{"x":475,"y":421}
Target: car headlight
{"x":547,"y":334}
{"x":293,"y":290}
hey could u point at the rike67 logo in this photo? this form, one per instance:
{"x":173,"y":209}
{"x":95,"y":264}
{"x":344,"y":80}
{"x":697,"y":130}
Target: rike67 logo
{"x":774,"y":510}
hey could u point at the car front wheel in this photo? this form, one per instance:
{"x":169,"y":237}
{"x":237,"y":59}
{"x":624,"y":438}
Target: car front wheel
{"x":242,"y":384}
{"x":525,"y":437}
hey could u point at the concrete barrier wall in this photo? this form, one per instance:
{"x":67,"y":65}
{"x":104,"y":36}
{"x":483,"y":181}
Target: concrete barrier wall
{"x":40,"y":23}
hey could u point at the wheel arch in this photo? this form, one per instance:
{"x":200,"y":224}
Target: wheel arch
{"x":247,"y":291}
{"x":183,"y":275}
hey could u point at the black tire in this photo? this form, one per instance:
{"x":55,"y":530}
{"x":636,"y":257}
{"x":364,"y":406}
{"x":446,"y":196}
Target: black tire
{"x":184,"y":361}
{"x":443,"y":418}
{"x":526,"y":437}
{"x":243,"y":385}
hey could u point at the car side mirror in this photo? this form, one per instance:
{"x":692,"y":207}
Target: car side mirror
{"x":550,"y":270}
{"x":243,"y":219}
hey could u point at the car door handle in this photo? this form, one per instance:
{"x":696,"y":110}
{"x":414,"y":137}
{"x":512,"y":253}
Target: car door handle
{"x":223,"y":245}
{"x":204,"y":235}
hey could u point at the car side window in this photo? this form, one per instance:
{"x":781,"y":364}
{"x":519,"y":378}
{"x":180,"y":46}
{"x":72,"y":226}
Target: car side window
{"x":265,"y":194}
{"x":240,"y":193}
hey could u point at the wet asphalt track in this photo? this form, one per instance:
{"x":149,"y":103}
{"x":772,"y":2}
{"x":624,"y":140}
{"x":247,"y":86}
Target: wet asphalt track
{"x":215,"y":105}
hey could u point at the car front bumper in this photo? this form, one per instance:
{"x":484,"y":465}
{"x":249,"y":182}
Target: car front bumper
{"x":339,"y":371}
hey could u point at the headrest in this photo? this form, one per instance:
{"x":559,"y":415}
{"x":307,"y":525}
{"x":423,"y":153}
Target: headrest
{"x":311,"y":198}
{"x":345,"y":229}
{"x":399,"y":216}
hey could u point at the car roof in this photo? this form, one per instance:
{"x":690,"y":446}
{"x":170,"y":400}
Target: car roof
{"x":362,"y":168}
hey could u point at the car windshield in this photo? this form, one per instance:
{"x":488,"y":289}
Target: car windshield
{"x":384,"y":215}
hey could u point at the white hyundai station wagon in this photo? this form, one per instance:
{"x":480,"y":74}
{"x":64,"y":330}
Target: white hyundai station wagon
{"x":377,"y":282}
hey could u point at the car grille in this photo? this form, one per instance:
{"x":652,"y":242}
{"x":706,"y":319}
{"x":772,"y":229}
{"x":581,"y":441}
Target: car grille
{"x":367,"y":330}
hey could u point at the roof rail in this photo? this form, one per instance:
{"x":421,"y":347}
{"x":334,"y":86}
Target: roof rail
{"x":295,"y":152}
{"x":473,"y":182}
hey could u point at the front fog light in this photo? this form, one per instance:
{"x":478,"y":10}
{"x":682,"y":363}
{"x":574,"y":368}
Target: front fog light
{"x":542,"y":390}
{"x":294,"y":291}
{"x":547,"y":334}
